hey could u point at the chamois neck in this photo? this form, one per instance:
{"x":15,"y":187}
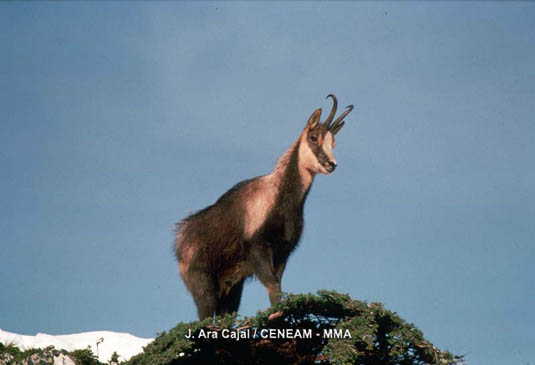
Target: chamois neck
{"x":292,"y":180}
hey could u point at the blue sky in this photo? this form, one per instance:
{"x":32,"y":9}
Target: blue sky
{"x":118,"y":119}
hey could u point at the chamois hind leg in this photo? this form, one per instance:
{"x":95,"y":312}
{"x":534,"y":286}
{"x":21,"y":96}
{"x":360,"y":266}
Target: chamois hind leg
{"x":231,"y":302}
{"x":204,"y":291}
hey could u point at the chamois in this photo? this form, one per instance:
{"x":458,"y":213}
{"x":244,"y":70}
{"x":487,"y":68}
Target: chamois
{"x":253,"y":228}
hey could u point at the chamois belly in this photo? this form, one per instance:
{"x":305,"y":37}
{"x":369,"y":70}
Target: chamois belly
{"x":280,"y":232}
{"x":233,"y":275}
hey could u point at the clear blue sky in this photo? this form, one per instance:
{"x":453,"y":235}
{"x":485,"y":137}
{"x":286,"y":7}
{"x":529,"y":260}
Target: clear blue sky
{"x":118,"y":119}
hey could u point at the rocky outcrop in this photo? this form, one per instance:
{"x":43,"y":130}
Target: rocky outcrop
{"x":48,"y":355}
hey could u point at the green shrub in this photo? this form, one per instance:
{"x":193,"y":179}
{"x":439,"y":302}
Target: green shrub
{"x":85,"y":357}
{"x":15,"y":354}
{"x":370,"y":335}
{"x":12,"y":355}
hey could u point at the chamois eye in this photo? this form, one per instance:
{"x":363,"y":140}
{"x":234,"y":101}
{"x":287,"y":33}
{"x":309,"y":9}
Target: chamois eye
{"x":314,"y":139}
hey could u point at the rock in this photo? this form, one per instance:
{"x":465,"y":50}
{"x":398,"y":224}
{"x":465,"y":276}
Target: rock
{"x":5,"y":358}
{"x":63,"y":360}
{"x":46,"y":356}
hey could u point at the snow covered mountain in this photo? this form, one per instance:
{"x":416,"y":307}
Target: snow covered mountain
{"x":125,"y":344}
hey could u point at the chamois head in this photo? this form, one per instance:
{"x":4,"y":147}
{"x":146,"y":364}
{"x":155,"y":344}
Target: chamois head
{"x":317,"y":140}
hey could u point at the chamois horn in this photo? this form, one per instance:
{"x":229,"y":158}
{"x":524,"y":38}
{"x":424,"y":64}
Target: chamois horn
{"x":332,"y":113}
{"x":339,"y":123}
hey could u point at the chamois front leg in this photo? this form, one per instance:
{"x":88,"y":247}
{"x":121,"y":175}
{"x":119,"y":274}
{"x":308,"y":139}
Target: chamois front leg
{"x":279,"y":262}
{"x":262,"y":260}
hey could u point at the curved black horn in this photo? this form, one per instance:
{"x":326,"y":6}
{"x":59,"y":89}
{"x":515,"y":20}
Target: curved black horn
{"x":332,"y":113}
{"x":338,"y":127}
{"x":334,"y":126}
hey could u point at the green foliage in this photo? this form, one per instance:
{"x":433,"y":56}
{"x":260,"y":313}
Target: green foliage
{"x":374,"y":335}
{"x":12,"y":355}
{"x":10,"y":349}
{"x":85,"y":357}
{"x":114,"y":358}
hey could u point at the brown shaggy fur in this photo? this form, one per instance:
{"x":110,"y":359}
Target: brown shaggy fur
{"x":251,"y":229}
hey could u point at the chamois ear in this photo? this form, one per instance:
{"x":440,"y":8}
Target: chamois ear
{"x":314,"y":119}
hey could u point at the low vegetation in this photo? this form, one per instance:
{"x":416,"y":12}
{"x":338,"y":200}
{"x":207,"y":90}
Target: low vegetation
{"x":12,"y":355}
{"x":327,"y":328}
{"x":341,"y":331}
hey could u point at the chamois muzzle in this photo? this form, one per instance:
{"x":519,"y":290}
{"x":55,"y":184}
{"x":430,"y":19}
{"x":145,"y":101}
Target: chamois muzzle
{"x":330,"y":166}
